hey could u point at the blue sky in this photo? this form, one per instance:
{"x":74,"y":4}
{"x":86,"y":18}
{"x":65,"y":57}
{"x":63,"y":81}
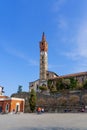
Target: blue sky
{"x":21,"y":25}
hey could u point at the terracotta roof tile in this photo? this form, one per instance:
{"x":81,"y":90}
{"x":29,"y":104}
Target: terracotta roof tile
{"x":72,"y":75}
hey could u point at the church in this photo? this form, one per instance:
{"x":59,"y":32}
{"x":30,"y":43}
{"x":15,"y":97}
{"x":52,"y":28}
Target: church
{"x":45,"y":75}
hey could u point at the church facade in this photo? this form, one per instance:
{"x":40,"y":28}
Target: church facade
{"x":46,"y":75}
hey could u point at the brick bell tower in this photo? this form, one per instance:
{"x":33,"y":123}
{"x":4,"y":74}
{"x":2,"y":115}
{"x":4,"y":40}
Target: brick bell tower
{"x":43,"y":58}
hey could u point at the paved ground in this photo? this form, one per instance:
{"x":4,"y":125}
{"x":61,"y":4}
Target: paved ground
{"x":44,"y":121}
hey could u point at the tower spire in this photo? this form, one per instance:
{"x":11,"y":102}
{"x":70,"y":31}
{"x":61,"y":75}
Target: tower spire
{"x":43,"y":58}
{"x":43,"y":37}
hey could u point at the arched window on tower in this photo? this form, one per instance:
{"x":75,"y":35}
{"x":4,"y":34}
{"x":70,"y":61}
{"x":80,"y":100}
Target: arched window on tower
{"x":37,"y":87}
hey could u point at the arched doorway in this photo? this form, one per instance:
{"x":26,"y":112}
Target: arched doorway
{"x":0,"y":109}
{"x":17,"y":107}
{"x":7,"y":108}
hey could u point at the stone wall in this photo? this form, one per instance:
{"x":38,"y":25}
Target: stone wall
{"x":49,"y":108}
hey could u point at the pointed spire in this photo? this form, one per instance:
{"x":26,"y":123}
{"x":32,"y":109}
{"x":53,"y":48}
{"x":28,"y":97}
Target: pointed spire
{"x":43,"y":37}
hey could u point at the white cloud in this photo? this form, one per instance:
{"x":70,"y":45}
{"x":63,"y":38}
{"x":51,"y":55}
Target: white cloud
{"x":58,"y":4}
{"x":60,"y":19}
{"x":13,"y":51}
{"x":79,"y":54}
{"x":82,"y":40}
{"x":78,"y":49}
{"x":62,"y":22}
{"x":73,"y":33}
{"x":80,"y":66}
{"x":34,"y":62}
{"x":72,"y":55}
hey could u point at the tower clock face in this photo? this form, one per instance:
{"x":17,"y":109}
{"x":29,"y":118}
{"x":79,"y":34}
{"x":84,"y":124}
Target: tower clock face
{"x":46,"y":53}
{"x":42,"y":53}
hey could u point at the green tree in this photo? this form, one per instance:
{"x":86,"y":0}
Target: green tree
{"x":49,"y":83}
{"x":85,"y":84}
{"x":66,"y":83}
{"x":43,"y":88}
{"x":32,"y":100}
{"x":79,"y":86}
{"x":73,"y":83}
{"x":59,"y":84}
{"x":19,"y":89}
{"x":53,"y":89}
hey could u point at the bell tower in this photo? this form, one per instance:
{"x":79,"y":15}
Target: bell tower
{"x":43,"y":58}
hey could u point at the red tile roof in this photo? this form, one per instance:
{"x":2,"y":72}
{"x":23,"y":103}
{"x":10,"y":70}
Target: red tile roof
{"x":72,"y":75}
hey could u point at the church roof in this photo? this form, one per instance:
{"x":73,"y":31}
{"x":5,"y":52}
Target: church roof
{"x":72,"y":75}
{"x":52,"y":73}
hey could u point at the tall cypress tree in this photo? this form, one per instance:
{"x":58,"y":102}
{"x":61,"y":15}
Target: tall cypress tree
{"x":32,"y":100}
{"x":19,"y":89}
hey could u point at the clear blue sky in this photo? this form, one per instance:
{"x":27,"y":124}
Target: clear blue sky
{"x":21,"y":25}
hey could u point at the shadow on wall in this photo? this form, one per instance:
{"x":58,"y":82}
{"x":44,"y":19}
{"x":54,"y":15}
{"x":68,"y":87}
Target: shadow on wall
{"x":45,"y":128}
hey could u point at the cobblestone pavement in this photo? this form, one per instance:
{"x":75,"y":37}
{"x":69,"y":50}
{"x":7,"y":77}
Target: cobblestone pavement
{"x":69,"y":121}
